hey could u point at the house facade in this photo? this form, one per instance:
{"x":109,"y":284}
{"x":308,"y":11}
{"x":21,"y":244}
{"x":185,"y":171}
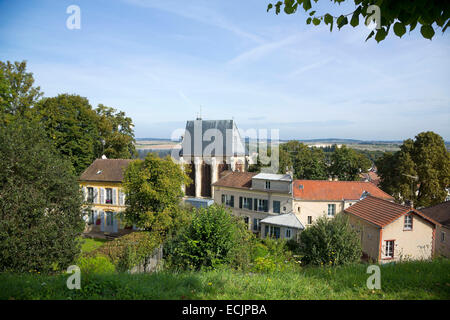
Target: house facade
{"x":441,"y":214}
{"x":257,"y":198}
{"x":315,"y":198}
{"x":392,"y":232}
{"x":104,"y":199}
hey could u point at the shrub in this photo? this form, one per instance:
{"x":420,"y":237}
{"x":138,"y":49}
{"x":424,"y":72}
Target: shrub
{"x":330,"y":242}
{"x":270,"y":255}
{"x":215,"y":237}
{"x":130,"y":250}
{"x":95,"y":265}
{"x":40,"y":202}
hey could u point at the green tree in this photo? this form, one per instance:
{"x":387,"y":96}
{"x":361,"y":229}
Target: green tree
{"x":396,"y":14}
{"x":153,"y":189}
{"x":347,"y":164}
{"x":214,"y":237}
{"x":330,"y":242}
{"x":117,"y":133}
{"x":73,"y":126}
{"x":420,"y":171}
{"x":308,"y":163}
{"x":17,"y":93}
{"x":40,"y":202}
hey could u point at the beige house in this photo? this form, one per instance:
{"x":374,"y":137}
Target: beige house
{"x":264,"y":201}
{"x":101,"y":183}
{"x":392,"y":232}
{"x":315,"y":198}
{"x":441,"y":214}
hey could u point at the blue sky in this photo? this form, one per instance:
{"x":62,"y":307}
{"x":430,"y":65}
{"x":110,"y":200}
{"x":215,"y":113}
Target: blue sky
{"x":159,"y":60}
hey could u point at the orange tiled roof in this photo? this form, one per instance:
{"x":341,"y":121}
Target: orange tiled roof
{"x":236,"y":179}
{"x":381,"y":212}
{"x":335,"y":190}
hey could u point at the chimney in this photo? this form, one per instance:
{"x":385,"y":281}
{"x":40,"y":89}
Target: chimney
{"x":290,"y":172}
{"x":409,"y":203}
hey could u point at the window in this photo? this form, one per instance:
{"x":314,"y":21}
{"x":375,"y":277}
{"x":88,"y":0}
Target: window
{"x":284,"y":209}
{"x":246,"y":220}
{"x":229,"y":200}
{"x":256,"y":224}
{"x":276,"y":206}
{"x":90,"y":195}
{"x":247,"y":203}
{"x":267,"y":185}
{"x":298,"y":209}
{"x":109,"y":196}
{"x":91,"y":217}
{"x":288,"y":233}
{"x":109,"y":218}
{"x":408,"y":223}
{"x":272,"y":232}
{"x":261,"y":205}
{"x":389,"y":249}
{"x":331,"y":210}
{"x":309,"y":219}
{"x":442,"y":236}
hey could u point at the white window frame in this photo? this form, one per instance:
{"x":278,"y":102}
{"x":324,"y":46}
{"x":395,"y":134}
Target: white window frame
{"x":389,"y":250}
{"x":331,"y":205}
{"x":288,"y":231}
{"x":267,"y":185}
{"x":408,"y":225}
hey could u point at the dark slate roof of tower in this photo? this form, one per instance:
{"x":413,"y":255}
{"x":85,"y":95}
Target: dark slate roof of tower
{"x":212,"y":137}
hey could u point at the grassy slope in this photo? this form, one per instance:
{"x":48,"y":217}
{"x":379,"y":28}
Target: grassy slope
{"x":89,"y":245}
{"x":414,"y":280}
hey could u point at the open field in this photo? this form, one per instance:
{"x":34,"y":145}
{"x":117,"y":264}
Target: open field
{"x":409,"y":280}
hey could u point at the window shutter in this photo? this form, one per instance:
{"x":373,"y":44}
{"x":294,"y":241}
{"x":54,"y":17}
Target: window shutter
{"x":102,"y":195}
{"x":84,"y":193}
{"x":120,"y":197}
{"x":115,"y":222}
{"x":250,"y":200}
{"x":96,"y":195}
{"x":232,"y":202}
{"x":102,"y":223}
{"x":240,"y":202}
{"x":255,"y":204}
{"x":114,"y":195}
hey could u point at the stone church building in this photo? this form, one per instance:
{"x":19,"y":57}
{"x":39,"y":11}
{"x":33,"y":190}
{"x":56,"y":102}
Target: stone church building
{"x":208,"y":148}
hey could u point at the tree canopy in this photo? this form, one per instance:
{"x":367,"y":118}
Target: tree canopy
{"x":71,"y":124}
{"x":17,"y":93}
{"x":419,"y":172}
{"x":154,"y":192}
{"x":40,"y":202}
{"x":402,"y":16}
{"x":314,"y":164}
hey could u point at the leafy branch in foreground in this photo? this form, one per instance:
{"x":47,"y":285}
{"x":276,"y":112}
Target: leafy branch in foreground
{"x":393,"y":13}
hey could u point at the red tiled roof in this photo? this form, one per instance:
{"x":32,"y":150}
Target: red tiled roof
{"x":236,"y":179}
{"x":381,"y":212}
{"x":105,"y":170}
{"x":336,"y":190}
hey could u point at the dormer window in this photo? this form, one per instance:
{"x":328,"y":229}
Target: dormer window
{"x":268,"y":185}
{"x":408,"y":223}
{"x":99,"y":171}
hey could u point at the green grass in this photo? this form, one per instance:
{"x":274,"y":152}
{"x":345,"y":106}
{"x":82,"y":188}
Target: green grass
{"x":409,"y":280}
{"x":89,"y":245}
